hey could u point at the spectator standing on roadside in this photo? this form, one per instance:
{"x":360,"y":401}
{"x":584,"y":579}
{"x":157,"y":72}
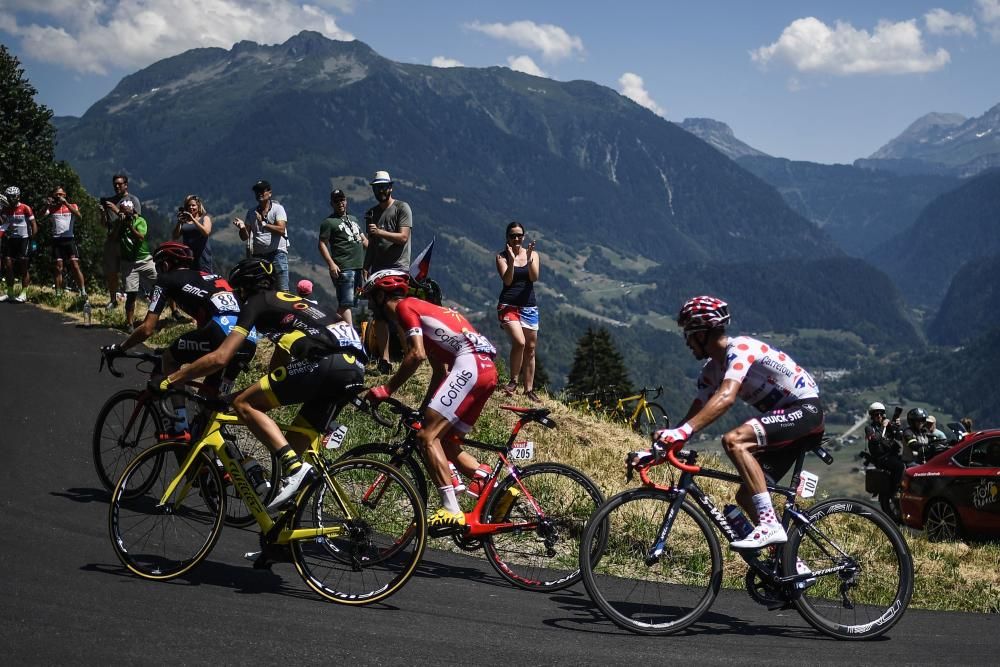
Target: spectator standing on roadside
{"x":934,"y":434}
{"x":388,"y":223}
{"x":137,"y":266}
{"x":20,"y":228}
{"x":518,"y":265}
{"x":63,"y":215}
{"x":112,"y":219}
{"x":342,"y":246}
{"x":267,"y":225}
{"x":193,"y":229}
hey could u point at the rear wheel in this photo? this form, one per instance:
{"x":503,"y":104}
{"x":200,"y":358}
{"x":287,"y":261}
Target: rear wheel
{"x":127,"y":424}
{"x":871,"y":588}
{"x":942,"y":522}
{"x":651,"y":418}
{"x":542,"y":519}
{"x":638,"y":589}
{"x":380,"y":532}
{"x":164,"y":541}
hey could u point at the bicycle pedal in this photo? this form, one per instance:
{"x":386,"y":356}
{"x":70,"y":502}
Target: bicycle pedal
{"x":780,"y":605}
{"x":444,"y":531}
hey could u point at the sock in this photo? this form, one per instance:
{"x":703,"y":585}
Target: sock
{"x":765,"y":510}
{"x":290,"y":461}
{"x":448,"y":500}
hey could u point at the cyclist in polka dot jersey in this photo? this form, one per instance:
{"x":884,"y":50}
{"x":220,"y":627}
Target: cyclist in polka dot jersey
{"x":764,"y":447}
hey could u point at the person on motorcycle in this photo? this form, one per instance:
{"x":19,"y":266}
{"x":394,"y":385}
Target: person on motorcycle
{"x":884,"y":447}
{"x":915,"y":438}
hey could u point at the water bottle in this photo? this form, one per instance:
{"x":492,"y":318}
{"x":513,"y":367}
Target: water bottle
{"x":86,"y":313}
{"x":739,"y":522}
{"x":255,"y":474}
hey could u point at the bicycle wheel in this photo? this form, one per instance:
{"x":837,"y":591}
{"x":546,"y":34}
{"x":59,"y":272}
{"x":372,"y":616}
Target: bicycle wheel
{"x":639,"y":593}
{"x":869,"y":594}
{"x":127,"y":424}
{"x":237,"y":512}
{"x":381,"y":543}
{"x":386,"y":453}
{"x":651,"y":418}
{"x":164,"y":541}
{"x":538,"y":548}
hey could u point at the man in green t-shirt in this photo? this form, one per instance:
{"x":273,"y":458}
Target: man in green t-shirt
{"x":342,"y":246}
{"x":136,"y":263}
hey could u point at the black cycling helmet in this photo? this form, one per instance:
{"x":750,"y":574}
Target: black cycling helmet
{"x":174,"y":254}
{"x":915,"y":417}
{"x":253,"y":274}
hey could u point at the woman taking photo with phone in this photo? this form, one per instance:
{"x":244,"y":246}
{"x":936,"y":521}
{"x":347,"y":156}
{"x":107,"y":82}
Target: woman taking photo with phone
{"x":193,"y":228}
{"x":518,"y":266}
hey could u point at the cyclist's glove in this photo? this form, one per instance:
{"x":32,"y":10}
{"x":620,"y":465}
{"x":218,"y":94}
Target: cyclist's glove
{"x":158,"y":387}
{"x":670,"y":436}
{"x":112,"y":351}
{"x":378,"y":394}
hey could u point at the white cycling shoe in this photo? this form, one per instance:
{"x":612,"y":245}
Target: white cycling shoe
{"x":289,"y":486}
{"x":761,"y":536}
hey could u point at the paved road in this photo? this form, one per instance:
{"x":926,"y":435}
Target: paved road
{"x":65,"y":597}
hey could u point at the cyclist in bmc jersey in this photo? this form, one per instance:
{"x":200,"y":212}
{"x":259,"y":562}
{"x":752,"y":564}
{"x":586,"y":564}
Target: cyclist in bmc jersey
{"x":207,"y":298}
{"x":325,"y":362}
{"x":463,"y":378}
{"x":769,"y":380}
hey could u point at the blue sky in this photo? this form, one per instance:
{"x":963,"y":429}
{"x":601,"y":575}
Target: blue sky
{"x":821,"y":81}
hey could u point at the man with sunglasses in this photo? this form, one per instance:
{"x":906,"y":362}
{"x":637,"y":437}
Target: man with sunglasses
{"x":389,"y":223}
{"x":111,"y":217}
{"x":267,"y":225}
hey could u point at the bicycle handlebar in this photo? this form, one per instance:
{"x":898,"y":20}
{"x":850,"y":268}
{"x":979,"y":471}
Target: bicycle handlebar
{"x":108,"y":358}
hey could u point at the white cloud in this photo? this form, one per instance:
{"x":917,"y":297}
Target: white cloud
{"x":525,"y":64}
{"x":810,"y":45}
{"x":942,"y":22}
{"x":989,"y":14}
{"x":633,"y":87}
{"x":444,"y":61}
{"x":97,"y":36}
{"x":553,"y":42}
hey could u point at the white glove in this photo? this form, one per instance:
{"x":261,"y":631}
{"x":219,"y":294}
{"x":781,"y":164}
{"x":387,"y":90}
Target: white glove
{"x":670,"y":436}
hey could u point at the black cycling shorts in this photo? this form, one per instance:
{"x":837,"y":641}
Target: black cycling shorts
{"x":64,"y":248}
{"x":195,"y":344}
{"x":783,"y":432}
{"x":16,"y":247}
{"x":318,"y":384}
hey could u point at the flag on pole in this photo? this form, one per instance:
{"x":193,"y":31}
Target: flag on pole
{"x":422,"y":264}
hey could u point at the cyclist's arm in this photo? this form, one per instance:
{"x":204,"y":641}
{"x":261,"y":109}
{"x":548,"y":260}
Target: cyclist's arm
{"x":411,"y":362}
{"x":717,"y":405}
{"x":143,"y":331}
{"x":214,"y":360}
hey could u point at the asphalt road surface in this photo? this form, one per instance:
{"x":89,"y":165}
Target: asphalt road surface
{"x":66,"y":598}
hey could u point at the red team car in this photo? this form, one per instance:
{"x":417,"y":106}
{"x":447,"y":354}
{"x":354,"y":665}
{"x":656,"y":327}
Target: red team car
{"x":956,"y":493}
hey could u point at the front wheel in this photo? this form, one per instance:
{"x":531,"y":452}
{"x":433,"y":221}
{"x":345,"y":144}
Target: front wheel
{"x":641,"y":584}
{"x":651,"y":418}
{"x":386,"y":453}
{"x":540,"y":516}
{"x":872,"y":583}
{"x":163,"y":541}
{"x":127,"y":425}
{"x":372,"y":527}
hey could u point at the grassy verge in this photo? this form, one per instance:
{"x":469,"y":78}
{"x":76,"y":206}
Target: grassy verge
{"x":953,"y":576}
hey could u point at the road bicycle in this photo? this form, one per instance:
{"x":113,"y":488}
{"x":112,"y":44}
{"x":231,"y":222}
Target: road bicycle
{"x":643,"y":417}
{"x":355,"y":530}
{"x":845,"y":567}
{"x":529,"y":521}
{"x":133,"y":420}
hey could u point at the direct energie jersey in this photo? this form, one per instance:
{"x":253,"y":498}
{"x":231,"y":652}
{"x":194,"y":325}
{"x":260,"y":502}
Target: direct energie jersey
{"x":200,"y":295}
{"x":298,"y":326}
{"x":768,"y":377}
{"x":446,"y":332}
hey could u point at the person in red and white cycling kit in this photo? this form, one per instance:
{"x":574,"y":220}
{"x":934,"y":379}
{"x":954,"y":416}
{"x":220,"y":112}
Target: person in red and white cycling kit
{"x":769,"y":380}
{"x":463,"y":378}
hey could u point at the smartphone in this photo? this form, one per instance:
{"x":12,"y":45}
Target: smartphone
{"x":896,"y":413}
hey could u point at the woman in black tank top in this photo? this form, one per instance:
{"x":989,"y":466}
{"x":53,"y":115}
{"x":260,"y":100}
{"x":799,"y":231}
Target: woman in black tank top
{"x":518,"y":266}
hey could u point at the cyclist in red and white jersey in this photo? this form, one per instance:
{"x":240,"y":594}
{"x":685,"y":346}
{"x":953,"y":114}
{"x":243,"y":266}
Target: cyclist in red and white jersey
{"x":766,"y":378}
{"x":463,"y":378}
{"x":19,"y":226}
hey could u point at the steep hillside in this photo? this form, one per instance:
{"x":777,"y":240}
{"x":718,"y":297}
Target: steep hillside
{"x":971,"y":305}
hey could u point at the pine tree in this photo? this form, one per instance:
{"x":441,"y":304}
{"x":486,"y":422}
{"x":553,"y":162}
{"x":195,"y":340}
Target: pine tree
{"x":598,"y":368}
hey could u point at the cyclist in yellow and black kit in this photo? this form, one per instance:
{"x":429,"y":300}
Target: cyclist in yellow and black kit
{"x":319,"y":359}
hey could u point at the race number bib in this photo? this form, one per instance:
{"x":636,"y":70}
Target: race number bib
{"x":523,"y":451}
{"x":225,"y":302}
{"x":480,"y":344}
{"x":345,"y":335}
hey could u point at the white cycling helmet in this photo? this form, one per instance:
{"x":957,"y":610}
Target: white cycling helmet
{"x":876,"y":407}
{"x":13,"y":192}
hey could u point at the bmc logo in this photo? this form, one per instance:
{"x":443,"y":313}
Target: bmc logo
{"x":191,"y":289}
{"x":200,"y":346}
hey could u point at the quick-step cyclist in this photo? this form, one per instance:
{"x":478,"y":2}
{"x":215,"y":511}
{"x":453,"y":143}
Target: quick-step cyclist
{"x":207,"y":298}
{"x":462,"y":380}
{"x":326,"y":359}
{"x":766,"y":378}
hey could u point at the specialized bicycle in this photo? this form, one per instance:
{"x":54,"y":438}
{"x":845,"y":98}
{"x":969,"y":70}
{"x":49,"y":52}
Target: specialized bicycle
{"x":529,"y":522}
{"x":643,"y":417}
{"x":133,"y":420}
{"x":355,"y":530}
{"x":845,"y":567}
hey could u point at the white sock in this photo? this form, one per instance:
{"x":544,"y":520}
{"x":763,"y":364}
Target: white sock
{"x":448,"y":500}
{"x":765,"y":510}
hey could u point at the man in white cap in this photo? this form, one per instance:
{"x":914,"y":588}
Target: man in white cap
{"x":934,"y":434}
{"x":388,"y":223}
